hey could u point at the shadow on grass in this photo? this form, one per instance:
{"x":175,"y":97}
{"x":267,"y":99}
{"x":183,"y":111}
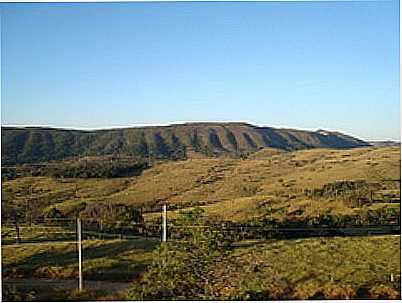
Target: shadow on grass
{"x":54,"y":257}
{"x":38,"y":239}
{"x":68,"y":292}
{"x":123,"y":271}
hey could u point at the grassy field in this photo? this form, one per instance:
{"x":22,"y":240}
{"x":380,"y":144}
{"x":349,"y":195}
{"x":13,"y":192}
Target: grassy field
{"x":312,"y":268}
{"x":231,"y":189}
{"x":49,"y":270}
{"x":338,"y":267}
{"x":308,"y":267}
{"x":109,"y":260}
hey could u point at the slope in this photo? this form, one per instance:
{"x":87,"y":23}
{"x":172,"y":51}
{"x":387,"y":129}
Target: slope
{"x":33,"y":144}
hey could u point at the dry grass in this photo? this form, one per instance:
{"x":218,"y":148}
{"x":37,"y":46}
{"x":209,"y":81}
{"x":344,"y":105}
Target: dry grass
{"x":233,"y":188}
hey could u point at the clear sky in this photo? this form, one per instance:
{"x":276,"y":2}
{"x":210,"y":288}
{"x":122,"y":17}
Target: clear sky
{"x":308,"y":65}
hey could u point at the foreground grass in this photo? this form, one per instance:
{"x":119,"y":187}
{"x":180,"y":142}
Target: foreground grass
{"x":48,"y":271}
{"x":109,"y":260}
{"x":305,"y":268}
{"x":313,"y":268}
{"x":338,"y":267}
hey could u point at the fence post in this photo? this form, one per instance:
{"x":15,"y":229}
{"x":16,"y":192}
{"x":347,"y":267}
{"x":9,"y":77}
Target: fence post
{"x":164,"y":215}
{"x":17,"y":232}
{"x":79,"y":255}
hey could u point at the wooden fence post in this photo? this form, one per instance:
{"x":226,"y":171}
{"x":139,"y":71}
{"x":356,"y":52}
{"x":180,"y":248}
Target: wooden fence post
{"x":79,"y":254}
{"x":164,"y":227}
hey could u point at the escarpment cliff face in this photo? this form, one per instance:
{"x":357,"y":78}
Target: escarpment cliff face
{"x":36,"y":144}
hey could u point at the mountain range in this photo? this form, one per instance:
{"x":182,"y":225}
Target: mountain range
{"x":37,"y":144}
{"x":388,"y":143}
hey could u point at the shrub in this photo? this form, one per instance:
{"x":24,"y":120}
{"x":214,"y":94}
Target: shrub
{"x":112,"y":216}
{"x":13,"y":294}
{"x":334,"y":291}
{"x":54,"y":213}
{"x":307,"y":290}
{"x":180,"y":269}
{"x":384,"y":292}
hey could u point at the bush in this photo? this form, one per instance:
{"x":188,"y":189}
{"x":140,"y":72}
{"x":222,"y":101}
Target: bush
{"x":54,"y":213}
{"x":112,"y":216}
{"x":180,"y":269}
{"x":339,"y":292}
{"x":308,"y":290}
{"x":354,"y":193}
{"x":384,"y":292}
{"x":13,"y":294}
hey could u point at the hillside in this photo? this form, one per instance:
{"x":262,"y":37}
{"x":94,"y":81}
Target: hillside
{"x":228,"y":188}
{"x":35,"y":144}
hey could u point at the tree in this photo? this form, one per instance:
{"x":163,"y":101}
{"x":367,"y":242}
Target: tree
{"x":113,"y":216}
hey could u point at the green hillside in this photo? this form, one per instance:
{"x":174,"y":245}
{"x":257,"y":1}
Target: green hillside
{"x":35,"y":144}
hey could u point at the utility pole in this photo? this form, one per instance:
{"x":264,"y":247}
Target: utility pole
{"x":164,"y":227}
{"x":79,"y":255}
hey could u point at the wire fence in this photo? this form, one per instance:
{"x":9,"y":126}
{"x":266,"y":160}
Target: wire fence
{"x":64,"y":232}
{"x":66,"y":229}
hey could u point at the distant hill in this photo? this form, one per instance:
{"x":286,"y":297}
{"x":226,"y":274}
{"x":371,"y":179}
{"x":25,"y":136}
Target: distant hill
{"x":385,"y":143}
{"x":37,"y":144}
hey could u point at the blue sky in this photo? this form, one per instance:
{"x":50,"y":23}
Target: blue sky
{"x":308,"y":65}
